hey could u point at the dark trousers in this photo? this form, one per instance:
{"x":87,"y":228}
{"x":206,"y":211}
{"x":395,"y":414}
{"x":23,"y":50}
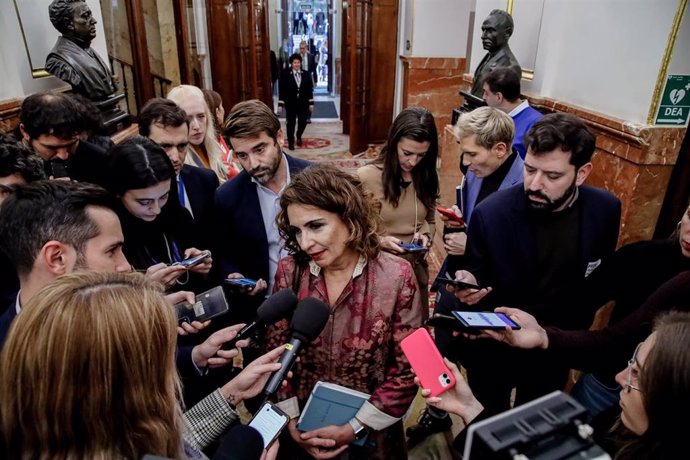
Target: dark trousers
{"x":300,"y":114}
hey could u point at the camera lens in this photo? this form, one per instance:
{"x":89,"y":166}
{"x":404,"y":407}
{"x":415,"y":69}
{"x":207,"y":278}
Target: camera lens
{"x":444,"y":375}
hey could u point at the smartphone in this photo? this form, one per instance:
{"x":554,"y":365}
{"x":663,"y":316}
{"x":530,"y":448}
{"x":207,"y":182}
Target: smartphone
{"x":240,"y":282}
{"x":56,"y":168}
{"x":451,"y":215}
{"x":457,"y":283}
{"x":485,"y":320}
{"x":427,"y":362}
{"x":411,"y":247}
{"x":444,"y":321}
{"x":269,"y":421}
{"x":192,"y":261}
{"x":207,"y":305}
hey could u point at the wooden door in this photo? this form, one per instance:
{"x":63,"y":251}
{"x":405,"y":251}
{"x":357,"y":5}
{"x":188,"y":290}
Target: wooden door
{"x":369,"y":59}
{"x":240,"y":54}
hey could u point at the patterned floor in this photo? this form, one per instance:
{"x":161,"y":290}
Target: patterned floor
{"x":322,"y":140}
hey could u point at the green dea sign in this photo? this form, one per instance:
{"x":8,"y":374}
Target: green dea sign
{"x":675,"y":101}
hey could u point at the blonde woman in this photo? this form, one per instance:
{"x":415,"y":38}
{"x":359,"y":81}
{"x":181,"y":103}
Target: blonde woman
{"x":89,"y":372}
{"x":204,"y":150}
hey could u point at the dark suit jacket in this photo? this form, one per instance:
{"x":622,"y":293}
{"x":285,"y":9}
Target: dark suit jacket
{"x":241,"y":244}
{"x":502,"y":252}
{"x":200,"y":185}
{"x":288,"y":93}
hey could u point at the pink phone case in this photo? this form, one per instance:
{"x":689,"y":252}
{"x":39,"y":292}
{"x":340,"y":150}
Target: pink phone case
{"x":427,"y":362}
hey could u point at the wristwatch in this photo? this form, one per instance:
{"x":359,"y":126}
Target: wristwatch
{"x":360,"y":430}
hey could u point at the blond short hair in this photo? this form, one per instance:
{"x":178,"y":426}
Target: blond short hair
{"x":489,"y":124}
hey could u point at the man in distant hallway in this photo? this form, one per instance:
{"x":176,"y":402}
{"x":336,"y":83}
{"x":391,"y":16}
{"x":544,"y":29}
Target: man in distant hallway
{"x":502,"y":90}
{"x":165,"y":123}
{"x":309,"y":66}
{"x":496,"y":31}
{"x":296,"y":96}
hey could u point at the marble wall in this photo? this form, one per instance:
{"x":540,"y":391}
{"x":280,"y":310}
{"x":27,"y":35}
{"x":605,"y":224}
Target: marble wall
{"x":633,"y":161}
{"x":433,"y":83}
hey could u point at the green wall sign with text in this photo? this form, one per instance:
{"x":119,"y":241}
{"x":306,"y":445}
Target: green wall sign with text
{"x":675,"y":101}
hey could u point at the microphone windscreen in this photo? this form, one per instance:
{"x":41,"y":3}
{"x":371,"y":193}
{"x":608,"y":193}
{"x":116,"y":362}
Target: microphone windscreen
{"x":241,"y":443}
{"x":309,"y":319}
{"x":277,"y":306}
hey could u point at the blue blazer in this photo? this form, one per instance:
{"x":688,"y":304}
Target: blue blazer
{"x":241,"y":244}
{"x":473,"y":184}
{"x":466,"y":198}
{"x":502,"y":253}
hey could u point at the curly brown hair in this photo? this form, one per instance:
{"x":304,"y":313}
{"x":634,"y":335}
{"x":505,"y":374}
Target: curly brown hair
{"x":327,"y":187}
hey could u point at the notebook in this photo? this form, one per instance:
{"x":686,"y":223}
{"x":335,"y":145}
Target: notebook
{"x":331,"y":404}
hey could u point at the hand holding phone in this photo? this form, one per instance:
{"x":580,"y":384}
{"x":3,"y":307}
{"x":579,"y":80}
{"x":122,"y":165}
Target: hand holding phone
{"x":450,"y":215}
{"x":208,"y":305}
{"x":411,"y":247}
{"x":192,"y":261}
{"x":457,"y":283}
{"x":427,"y":362}
{"x":269,"y":421}
{"x":240,"y":282}
{"x":478,"y":320}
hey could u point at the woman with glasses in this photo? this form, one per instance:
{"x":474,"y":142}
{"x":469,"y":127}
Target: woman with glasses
{"x":157,"y":231}
{"x":654,"y":399}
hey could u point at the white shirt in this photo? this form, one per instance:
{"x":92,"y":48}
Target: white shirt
{"x":523,"y":105}
{"x":269,"y":202}
{"x":18,"y":305}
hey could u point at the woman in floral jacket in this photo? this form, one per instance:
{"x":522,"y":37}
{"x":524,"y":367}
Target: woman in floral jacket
{"x":330,"y":227}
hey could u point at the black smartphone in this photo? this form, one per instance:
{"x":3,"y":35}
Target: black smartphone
{"x":269,"y":421}
{"x":192,"y":261}
{"x":207,"y":305}
{"x":445,"y":322}
{"x":411,"y":247}
{"x":484,"y":320}
{"x":240,"y":282}
{"x":457,"y":283}
{"x":56,"y":168}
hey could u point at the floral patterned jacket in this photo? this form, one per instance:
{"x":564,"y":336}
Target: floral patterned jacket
{"x":360,"y":346}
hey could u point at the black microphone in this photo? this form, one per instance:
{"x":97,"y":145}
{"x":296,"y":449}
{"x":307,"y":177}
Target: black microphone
{"x":275,"y":308}
{"x":311,"y":316}
{"x":241,"y":443}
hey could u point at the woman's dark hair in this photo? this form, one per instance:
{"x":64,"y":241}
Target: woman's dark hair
{"x":138,"y":163}
{"x":418,"y":124}
{"x":327,"y":187}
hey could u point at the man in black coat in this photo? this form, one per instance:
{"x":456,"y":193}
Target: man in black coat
{"x":296,"y":95}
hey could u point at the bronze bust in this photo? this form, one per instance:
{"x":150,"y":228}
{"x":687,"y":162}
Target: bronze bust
{"x":72,"y":59}
{"x":496,"y":31}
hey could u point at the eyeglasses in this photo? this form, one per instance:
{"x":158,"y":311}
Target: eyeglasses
{"x":628,"y":381}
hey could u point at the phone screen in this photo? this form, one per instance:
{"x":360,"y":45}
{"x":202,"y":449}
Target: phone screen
{"x":193,"y":261}
{"x":269,"y":422}
{"x":485,"y":320}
